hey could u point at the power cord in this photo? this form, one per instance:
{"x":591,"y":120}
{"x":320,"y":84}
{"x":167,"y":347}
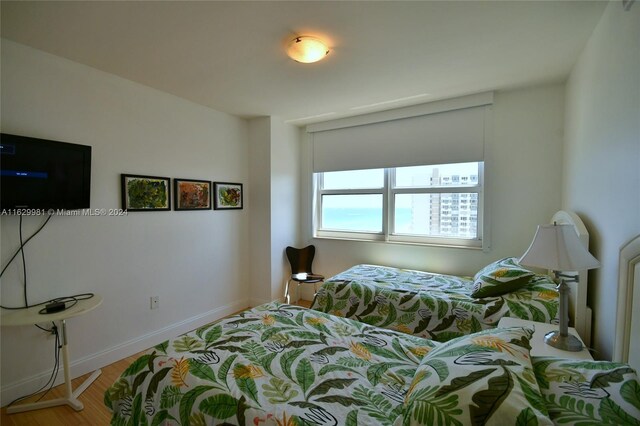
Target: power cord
{"x":54,"y":372}
{"x":54,"y":328}
{"x":24,"y":265}
{"x":25,"y":243}
{"x":67,"y":299}
{"x":64,"y":300}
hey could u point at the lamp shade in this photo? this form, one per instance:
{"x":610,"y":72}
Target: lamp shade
{"x":307,"y":49}
{"x":557,"y":247}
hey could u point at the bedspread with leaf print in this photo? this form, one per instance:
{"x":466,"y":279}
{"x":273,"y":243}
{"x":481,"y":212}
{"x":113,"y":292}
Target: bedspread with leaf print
{"x":580,"y":392}
{"x":434,"y":306}
{"x":272,"y":365}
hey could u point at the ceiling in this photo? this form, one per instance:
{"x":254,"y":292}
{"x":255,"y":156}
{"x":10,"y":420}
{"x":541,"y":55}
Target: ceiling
{"x":230,"y":56}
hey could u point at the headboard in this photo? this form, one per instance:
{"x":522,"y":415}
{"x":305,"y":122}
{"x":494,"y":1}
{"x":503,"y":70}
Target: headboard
{"x":579,"y":312}
{"x":627,"y":343}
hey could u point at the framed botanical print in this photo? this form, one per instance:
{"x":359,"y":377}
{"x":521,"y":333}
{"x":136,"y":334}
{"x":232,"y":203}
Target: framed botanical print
{"x":227,"y":195}
{"x":145,"y":193}
{"x":190,"y":194}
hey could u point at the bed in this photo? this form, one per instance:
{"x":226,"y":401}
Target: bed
{"x":434,"y":306}
{"x":287,"y":365}
{"x":442,"y":307}
{"x":271,"y":365}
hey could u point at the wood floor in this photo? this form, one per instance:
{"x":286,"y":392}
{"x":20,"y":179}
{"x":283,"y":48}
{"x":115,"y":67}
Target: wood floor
{"x":95,"y":413}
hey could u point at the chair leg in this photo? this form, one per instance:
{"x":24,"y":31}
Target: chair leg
{"x":315,"y":288}
{"x":287,"y":295}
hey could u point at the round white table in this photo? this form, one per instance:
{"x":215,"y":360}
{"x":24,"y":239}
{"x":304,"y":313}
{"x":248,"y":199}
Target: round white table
{"x":32,"y":316}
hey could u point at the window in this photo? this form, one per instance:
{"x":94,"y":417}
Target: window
{"x":435,"y":204}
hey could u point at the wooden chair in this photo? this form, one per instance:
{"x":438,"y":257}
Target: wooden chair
{"x":301,"y":271}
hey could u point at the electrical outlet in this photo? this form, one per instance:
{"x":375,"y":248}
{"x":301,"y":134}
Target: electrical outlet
{"x":155,"y":302}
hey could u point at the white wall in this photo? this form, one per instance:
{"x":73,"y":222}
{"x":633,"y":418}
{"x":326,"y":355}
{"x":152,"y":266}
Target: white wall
{"x":193,"y":260}
{"x":523,"y":173}
{"x":260,"y":223}
{"x":602,"y":154}
{"x":285,"y":199}
{"x":275,"y":179}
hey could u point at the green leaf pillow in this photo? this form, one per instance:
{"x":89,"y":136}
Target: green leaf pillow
{"x":500,"y":277}
{"x":484,"y":378}
{"x":589,"y":392}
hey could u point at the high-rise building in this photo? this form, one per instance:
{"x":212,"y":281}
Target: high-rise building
{"x":452,"y":214}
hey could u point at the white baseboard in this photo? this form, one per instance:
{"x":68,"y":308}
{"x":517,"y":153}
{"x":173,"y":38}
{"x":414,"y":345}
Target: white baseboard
{"x":79,"y":367}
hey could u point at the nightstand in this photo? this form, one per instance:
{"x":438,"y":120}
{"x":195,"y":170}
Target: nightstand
{"x":538,"y":347}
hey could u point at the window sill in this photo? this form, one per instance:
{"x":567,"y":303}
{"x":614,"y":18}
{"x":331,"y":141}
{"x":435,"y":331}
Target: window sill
{"x":403,"y":242}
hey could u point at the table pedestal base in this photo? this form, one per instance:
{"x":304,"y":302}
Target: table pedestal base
{"x":70,"y":400}
{"x":70,"y":397}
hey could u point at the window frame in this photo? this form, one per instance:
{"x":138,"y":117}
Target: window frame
{"x":388,"y":192}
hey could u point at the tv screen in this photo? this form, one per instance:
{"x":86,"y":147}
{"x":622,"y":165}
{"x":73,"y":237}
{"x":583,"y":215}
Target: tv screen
{"x":43,"y":174}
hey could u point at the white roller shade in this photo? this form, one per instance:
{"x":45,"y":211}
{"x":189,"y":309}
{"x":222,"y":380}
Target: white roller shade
{"x":455,"y":136}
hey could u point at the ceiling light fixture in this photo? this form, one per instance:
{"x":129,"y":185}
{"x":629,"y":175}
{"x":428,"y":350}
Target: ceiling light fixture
{"x":307,"y":49}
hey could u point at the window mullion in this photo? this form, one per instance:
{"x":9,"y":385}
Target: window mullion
{"x":318,"y":200}
{"x":388,"y":202}
{"x":480,"y":208}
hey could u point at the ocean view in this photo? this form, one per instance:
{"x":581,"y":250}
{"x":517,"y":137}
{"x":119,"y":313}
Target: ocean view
{"x":360,"y":219}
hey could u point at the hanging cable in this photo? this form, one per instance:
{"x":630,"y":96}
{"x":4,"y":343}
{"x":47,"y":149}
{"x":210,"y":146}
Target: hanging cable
{"x":24,"y":244}
{"x":66,"y":301}
{"x":56,"y":365}
{"x":54,"y":373}
{"x":24,"y":263}
{"x":20,"y":250}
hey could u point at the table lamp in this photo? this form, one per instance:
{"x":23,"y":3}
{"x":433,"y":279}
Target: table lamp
{"x":558,"y":248}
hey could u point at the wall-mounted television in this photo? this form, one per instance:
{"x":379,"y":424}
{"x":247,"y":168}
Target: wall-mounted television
{"x":43,"y":174}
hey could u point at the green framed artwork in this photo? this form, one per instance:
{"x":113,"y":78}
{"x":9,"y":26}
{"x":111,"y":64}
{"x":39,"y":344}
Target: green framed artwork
{"x":228,"y":196}
{"x":145,"y":193}
{"x":190,"y":194}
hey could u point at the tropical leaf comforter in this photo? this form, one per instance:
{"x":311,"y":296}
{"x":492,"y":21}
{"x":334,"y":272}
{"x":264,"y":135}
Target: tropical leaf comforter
{"x":434,"y":306}
{"x":271,"y":365}
{"x":282,"y":365}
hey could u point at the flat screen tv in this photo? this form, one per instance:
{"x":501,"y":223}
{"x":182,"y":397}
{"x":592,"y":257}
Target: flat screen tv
{"x":43,"y":174}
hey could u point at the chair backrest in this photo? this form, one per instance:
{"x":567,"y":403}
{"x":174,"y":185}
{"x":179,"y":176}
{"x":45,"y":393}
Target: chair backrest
{"x":301,"y":259}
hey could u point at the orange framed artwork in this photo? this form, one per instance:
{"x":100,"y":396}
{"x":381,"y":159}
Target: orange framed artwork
{"x":191,"y":194}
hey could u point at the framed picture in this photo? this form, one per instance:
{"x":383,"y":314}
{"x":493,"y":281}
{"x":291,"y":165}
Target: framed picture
{"x":191,"y":194}
{"x":145,"y":193}
{"x":227,"y":195}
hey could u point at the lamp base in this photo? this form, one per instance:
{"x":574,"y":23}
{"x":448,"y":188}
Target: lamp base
{"x":566,"y":343}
